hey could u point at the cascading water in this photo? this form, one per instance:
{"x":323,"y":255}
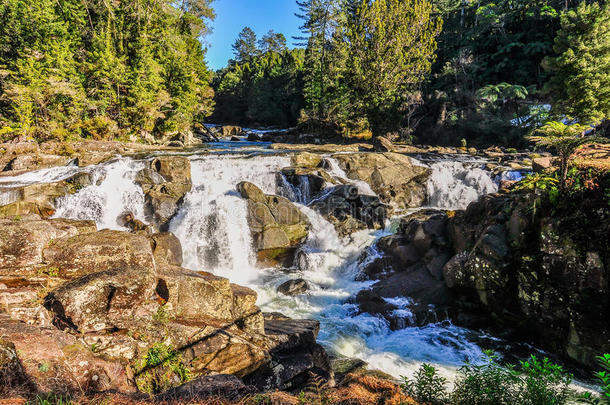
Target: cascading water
{"x":212,"y":222}
{"x":112,"y":192}
{"x":212,"y":227}
{"x":455,"y":184}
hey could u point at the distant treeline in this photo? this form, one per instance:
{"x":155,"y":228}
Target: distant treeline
{"x":386,"y":67}
{"x":434,"y":71}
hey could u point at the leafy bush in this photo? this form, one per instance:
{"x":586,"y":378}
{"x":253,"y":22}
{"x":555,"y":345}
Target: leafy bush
{"x":161,"y":368}
{"x":604,"y":379}
{"x":543,"y":383}
{"x":488,"y":383}
{"x":537,"y":382}
{"x":427,"y":386}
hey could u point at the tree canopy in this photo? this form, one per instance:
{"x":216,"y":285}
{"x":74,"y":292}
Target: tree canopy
{"x":103,"y":69}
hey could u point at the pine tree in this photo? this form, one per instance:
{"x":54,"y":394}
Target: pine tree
{"x":580,"y":85}
{"x":272,"y":42}
{"x":245,"y":46}
{"x":391,"y":47}
{"x":320,"y":22}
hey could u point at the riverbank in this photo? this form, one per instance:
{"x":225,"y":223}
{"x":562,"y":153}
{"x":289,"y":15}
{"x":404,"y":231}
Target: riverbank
{"x":299,"y":229}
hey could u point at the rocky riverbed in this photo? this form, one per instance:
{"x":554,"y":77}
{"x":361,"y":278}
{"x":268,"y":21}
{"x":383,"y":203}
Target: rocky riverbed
{"x":212,"y":258}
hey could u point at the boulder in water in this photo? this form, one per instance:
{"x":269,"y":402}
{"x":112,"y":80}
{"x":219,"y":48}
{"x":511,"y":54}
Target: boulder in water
{"x":165,"y":183}
{"x":398,"y":182}
{"x":128,"y":220}
{"x":166,"y":248}
{"x":293,"y":287}
{"x":349,"y":210}
{"x":278,"y":227}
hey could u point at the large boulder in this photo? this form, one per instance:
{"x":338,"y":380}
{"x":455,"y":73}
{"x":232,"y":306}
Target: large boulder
{"x":349,"y":210}
{"x":393,"y":176}
{"x":55,"y":361}
{"x":166,"y":248}
{"x":165,"y":183}
{"x":544,"y":272}
{"x":190,"y":295}
{"x":40,"y":198}
{"x":296,"y":359}
{"x":278,"y":227}
{"x":23,"y":240}
{"x":85,"y":254}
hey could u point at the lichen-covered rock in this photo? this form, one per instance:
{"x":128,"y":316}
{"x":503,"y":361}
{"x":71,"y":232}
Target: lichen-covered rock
{"x":166,"y":248}
{"x":89,"y":253}
{"x":306,"y":159}
{"x":192,"y":296}
{"x":23,"y":240}
{"x":393,"y":176}
{"x":165,"y":183}
{"x":54,"y":361}
{"x":278,"y":227}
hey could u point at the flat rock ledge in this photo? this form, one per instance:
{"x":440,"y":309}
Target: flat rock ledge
{"x":83,"y":310}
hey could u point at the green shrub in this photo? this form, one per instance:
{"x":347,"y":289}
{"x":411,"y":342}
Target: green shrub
{"x":427,"y":386}
{"x":161,"y":368}
{"x":543,"y":383}
{"x":604,"y":379}
{"x":488,"y":383}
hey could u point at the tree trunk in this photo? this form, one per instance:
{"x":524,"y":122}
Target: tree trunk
{"x":564,"y":171}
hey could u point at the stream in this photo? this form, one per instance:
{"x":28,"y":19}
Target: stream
{"x":212,"y":227}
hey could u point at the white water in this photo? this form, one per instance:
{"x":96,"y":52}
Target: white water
{"x":211,"y":223}
{"x":212,"y":227}
{"x":103,"y":203}
{"x":454,"y":184}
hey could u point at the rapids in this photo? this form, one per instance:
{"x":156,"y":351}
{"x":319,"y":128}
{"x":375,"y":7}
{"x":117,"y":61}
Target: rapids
{"x":212,"y":226}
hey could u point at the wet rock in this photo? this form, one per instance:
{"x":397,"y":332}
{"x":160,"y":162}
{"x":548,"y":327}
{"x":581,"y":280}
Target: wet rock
{"x":128,"y":220}
{"x":278,"y":227}
{"x":392,"y":176}
{"x":166,"y":248}
{"x":295,"y":356}
{"x":308,"y":182}
{"x":162,"y":198}
{"x":349,"y":210}
{"x":293,"y":287}
{"x":252,"y":137}
{"x":230,"y":130}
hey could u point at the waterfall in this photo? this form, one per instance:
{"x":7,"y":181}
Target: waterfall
{"x":212,"y":227}
{"x":212,"y":222}
{"x":455,"y":184}
{"x":111,"y":193}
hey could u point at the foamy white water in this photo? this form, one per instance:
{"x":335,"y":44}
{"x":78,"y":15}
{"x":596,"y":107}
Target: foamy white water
{"x":454,"y":184}
{"x":212,"y":227}
{"x":103,"y":203}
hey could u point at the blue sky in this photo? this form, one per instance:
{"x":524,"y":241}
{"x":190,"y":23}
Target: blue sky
{"x":260,"y":15}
